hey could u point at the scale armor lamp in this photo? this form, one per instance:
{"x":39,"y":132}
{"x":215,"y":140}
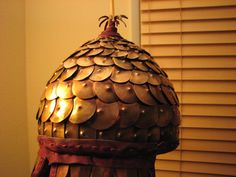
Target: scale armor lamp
{"x":107,"y":111}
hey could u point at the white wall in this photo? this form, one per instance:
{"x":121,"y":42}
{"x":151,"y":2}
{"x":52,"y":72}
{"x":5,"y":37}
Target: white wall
{"x":13,"y":121}
{"x":56,"y":28}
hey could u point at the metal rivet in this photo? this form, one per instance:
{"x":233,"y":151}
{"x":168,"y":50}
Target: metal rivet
{"x":117,"y":72}
{"x":82,"y":133}
{"x":135,"y":135}
{"x":100,"y":133}
{"x":108,"y":87}
{"x":99,"y":110}
{"x":136,"y":74}
{"x":54,"y":129}
{"x":119,"y":134}
{"x":161,"y":110}
{"x":45,"y":129}
{"x":84,"y":84}
{"x":99,"y":70}
{"x":66,"y":132}
{"x":80,"y":107}
{"x":128,"y":88}
{"x":143,"y":111}
{"x":123,"y":108}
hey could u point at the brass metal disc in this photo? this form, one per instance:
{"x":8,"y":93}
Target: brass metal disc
{"x":175,"y":96}
{"x":51,"y":91}
{"x":169,"y":95}
{"x":95,"y":52}
{"x":101,"y":73}
{"x":105,"y":91}
{"x":129,"y":114}
{"x":164,"y":80}
{"x":82,"y":52}
{"x":40,"y":110}
{"x":83,"y":89}
{"x":107,"y":52}
{"x":64,"y":89}
{"x":118,"y":53}
{"x":122,"y":63}
{"x":70,"y":62}
{"x":154,"y":134}
{"x":154,"y":79}
{"x":43,"y":95}
{"x":122,"y":42}
{"x":147,"y":116}
{"x":94,"y":45}
{"x":106,"y":115}
{"x":48,"y":110}
{"x":125,"y":92}
{"x":121,"y":47}
{"x":103,"y":61}
{"x":83,"y":110}
{"x":61,"y":66}
{"x":140,"y":65}
{"x":132,"y":45}
{"x":107,"y":45}
{"x":120,"y":75}
{"x":153,"y":67}
{"x":85,"y":61}
{"x":62,"y":110}
{"x":68,"y":73}
{"x":133,"y":55}
{"x":144,"y":95}
{"x":83,"y":47}
{"x":84,"y":72}
{"x":138,"y":77}
{"x":176,"y":117}
{"x":141,"y":135}
{"x":144,"y":56}
{"x":157,"y":93}
{"x":56,"y":75}
{"x":165,"y":114}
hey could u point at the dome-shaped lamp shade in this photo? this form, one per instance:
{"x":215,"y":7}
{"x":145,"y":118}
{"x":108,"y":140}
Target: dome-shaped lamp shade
{"x":106,"y":111}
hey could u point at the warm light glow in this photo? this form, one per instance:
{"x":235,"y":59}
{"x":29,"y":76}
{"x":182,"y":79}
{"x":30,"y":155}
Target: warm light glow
{"x":62,"y":108}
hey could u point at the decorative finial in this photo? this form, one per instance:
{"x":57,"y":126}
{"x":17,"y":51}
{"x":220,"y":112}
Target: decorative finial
{"x":110,"y":25}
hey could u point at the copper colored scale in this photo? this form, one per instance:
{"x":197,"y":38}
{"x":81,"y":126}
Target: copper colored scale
{"x":107,"y":111}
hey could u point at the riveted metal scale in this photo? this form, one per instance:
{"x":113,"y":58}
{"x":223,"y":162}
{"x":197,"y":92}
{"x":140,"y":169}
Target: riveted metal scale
{"x":107,"y":111}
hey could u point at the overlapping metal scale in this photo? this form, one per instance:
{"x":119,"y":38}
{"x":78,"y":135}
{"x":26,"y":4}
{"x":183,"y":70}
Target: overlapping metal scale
{"x":110,"y":85}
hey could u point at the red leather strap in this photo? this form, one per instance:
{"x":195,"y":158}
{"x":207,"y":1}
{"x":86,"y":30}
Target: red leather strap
{"x":64,"y":152}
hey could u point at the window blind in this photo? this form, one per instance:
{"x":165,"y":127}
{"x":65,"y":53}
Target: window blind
{"x":194,"y":41}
